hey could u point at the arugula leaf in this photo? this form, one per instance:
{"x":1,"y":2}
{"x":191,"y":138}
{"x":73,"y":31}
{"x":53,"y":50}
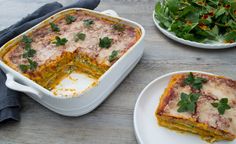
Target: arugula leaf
{"x":232,"y":10}
{"x":194,"y":82}
{"x":231,"y":24}
{"x":70,"y":19}
{"x":113,"y":55}
{"x":214,"y":2}
{"x":60,"y":41}
{"x":222,"y":105}
{"x":161,"y":16}
{"x":215,"y":30}
{"x":88,"y":22}
{"x":80,"y":36}
{"x":230,"y":37}
{"x":105,"y":42}
{"x":188,"y":102}
{"x":54,"y":27}
{"x":220,"y":12}
{"x":173,"y":5}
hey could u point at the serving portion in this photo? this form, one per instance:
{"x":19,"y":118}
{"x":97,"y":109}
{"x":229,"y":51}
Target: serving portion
{"x":201,"y":104}
{"x":204,"y":24}
{"x":79,"y":42}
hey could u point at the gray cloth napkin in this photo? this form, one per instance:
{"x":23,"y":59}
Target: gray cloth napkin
{"x":9,"y":99}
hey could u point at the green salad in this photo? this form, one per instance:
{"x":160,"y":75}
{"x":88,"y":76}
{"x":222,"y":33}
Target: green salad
{"x":202,"y":21}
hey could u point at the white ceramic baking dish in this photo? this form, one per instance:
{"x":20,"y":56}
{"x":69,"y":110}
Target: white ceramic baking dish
{"x":90,"y":98}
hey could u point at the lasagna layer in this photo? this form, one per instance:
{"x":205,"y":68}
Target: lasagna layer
{"x":205,"y":120}
{"x":75,"y":41}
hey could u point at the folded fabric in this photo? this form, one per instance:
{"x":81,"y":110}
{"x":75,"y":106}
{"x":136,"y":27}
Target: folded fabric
{"x":9,"y":99}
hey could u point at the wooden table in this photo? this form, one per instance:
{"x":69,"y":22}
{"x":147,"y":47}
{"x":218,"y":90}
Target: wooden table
{"x":112,"y":122}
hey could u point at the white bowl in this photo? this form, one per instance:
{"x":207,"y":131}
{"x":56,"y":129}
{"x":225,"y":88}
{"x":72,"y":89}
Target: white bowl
{"x":90,"y":98}
{"x":146,"y":127}
{"x":216,"y":45}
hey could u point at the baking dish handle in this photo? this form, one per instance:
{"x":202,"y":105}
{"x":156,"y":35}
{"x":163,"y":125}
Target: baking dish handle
{"x":110,"y":12}
{"x":12,"y":84}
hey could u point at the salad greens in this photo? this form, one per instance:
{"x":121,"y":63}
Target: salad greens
{"x":199,"y":20}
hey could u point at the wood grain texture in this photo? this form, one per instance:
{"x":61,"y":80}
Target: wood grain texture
{"x":112,"y":122}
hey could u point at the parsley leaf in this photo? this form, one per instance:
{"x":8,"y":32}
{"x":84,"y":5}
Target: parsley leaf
{"x":60,"y":41}
{"x":70,"y":19}
{"x":26,"y":39}
{"x":188,"y":102}
{"x":54,"y":27}
{"x":113,"y":55}
{"x":32,"y":64}
{"x":88,"y":22}
{"x":105,"y":42}
{"x":222,"y":105}
{"x":118,"y":27}
{"x":29,"y":53}
{"x":80,"y":36}
{"x":27,"y":46}
{"x":195,"y":82}
{"x":23,"y":68}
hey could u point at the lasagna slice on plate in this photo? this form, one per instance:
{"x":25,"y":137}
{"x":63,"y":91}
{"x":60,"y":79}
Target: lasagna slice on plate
{"x":201,"y":104}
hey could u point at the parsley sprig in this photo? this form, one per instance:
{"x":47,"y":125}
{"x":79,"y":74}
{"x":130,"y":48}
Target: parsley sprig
{"x":26,"y":39}
{"x":80,"y":36}
{"x":60,"y":41}
{"x":105,"y":42}
{"x":113,"y":55}
{"x":188,"y":102}
{"x":70,"y":19}
{"x":195,"y":82}
{"x":88,"y":22}
{"x":28,"y":53}
{"x":222,"y":105}
{"x":118,"y":27}
{"x":32,"y":66}
{"x":54,"y":27}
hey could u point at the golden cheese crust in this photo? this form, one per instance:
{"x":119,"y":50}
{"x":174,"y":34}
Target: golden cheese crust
{"x":54,"y":62}
{"x":205,"y":120}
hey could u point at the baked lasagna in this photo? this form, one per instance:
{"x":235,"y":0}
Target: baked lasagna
{"x":77,"y":41}
{"x":201,"y":104}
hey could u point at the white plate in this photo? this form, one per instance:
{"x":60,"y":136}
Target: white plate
{"x":171,"y":35}
{"x":145,"y":124}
